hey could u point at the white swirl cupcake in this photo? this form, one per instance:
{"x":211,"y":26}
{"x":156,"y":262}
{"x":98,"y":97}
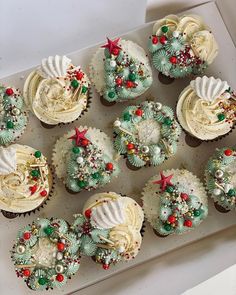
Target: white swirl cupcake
{"x":206,"y":108}
{"x":57,"y":92}
{"x":110,"y":228}
{"x":26,"y":181}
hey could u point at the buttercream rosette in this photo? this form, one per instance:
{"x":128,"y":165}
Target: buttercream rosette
{"x":220,"y":178}
{"x":57,"y":91}
{"x":147,"y":134}
{"x":26,"y":181}
{"x":46,"y":254}
{"x":182,"y":45}
{"x":206,"y":108}
{"x":120,"y":71}
{"x":84,"y":159}
{"x":109,"y":228}
{"x":174,"y":202}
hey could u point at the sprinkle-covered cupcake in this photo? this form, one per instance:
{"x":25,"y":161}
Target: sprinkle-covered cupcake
{"x":120,"y":71}
{"x":109,"y":228}
{"x":174,"y":202}
{"x":45,"y":254}
{"x":220,"y":177}
{"x":181,"y":46}
{"x":84,"y":159}
{"x":147,"y":134}
{"x":13,"y":115}
{"x":57,"y":92}
{"x":206,"y":109}
{"x":25,"y":180}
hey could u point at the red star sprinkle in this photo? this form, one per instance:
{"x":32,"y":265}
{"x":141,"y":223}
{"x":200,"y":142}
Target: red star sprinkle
{"x":164,"y":181}
{"x":79,"y":135}
{"x":112,"y":44}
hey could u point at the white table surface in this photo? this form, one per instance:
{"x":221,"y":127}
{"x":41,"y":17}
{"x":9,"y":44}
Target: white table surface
{"x":181,"y":269}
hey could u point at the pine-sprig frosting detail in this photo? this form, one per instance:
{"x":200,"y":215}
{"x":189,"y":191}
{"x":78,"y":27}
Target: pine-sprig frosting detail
{"x":43,"y":254}
{"x":88,"y":167}
{"x":125,"y":76}
{"x":147,"y":133}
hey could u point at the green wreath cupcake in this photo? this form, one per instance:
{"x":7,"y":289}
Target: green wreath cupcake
{"x":120,"y":71}
{"x":57,"y":92}
{"x":26,"y":181}
{"x":13,"y":115}
{"x":147,"y":134}
{"x":109,"y":229}
{"x":174,"y":202}
{"x":181,"y":46}
{"x":45,"y":254}
{"x":84,"y":159}
{"x":220,"y":177}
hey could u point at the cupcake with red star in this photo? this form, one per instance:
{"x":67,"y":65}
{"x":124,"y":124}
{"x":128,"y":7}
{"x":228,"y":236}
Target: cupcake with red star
{"x":13,"y":115}
{"x":57,"y":92}
{"x":109,"y":229}
{"x":174,"y":202}
{"x":147,"y":134}
{"x":84,"y":159}
{"x":45,"y":254}
{"x":26,"y":181}
{"x":220,"y":179}
{"x":181,"y":46}
{"x":206,"y":109}
{"x":120,"y":71}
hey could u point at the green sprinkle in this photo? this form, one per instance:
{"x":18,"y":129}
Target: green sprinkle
{"x":84,"y":89}
{"x":37,"y":154}
{"x":221,"y":117}
{"x":76,"y":150}
{"x":164,"y":29}
{"x":197,"y":213}
{"x":42,"y":281}
{"x":10,"y":125}
{"x":167,"y":121}
{"x":132,"y":77}
{"x":127,"y":116}
{"x":111,"y":94}
{"x":35,"y":173}
{"x":170,"y":189}
{"x":82,"y":184}
{"x":74,"y":83}
{"x":167,"y":227}
{"x":48,"y":230}
{"x":231,"y":192}
{"x":96,"y":175}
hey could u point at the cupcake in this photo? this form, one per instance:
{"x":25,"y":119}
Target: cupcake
{"x":174,"y":202}
{"x":181,"y":46}
{"x":147,"y":134}
{"x":109,"y":228}
{"x":45,"y":254}
{"x":206,"y":109}
{"x":220,"y":178}
{"x":84,"y":159}
{"x":25,"y":180}
{"x":13,"y":116}
{"x":120,"y":71}
{"x":57,"y":92}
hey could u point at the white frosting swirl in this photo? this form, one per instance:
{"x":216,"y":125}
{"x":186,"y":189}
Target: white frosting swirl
{"x":49,"y":94}
{"x":126,"y":235}
{"x":15,"y":193}
{"x":199,"y":116}
{"x":7,"y":160}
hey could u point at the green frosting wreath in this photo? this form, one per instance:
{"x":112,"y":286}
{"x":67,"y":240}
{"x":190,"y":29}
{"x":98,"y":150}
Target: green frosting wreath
{"x":13,"y":117}
{"x":46,"y":254}
{"x":147,"y":134}
{"x":220,"y":177}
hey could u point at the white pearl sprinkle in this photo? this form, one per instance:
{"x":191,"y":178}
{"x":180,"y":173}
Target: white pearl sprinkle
{"x":112,"y":63}
{"x":216,"y":191}
{"x":117,"y":123}
{"x":79,"y":160}
{"x":158,"y":106}
{"x":227,"y":95}
{"x":175,"y":34}
{"x":219,"y":173}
